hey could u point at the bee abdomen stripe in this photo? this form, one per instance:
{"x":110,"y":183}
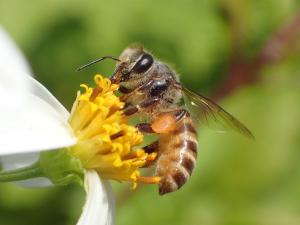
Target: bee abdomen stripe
{"x":192,"y":145}
{"x":179,"y":178}
{"x":191,"y":128}
{"x":188,"y":164}
{"x":184,"y":128}
{"x":167,"y":185}
{"x":178,"y":156}
{"x":165,"y":188}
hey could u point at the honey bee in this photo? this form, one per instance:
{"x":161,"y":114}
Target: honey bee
{"x":152,"y":90}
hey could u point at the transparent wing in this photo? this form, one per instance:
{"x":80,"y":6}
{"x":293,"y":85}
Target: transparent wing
{"x":207,"y":112}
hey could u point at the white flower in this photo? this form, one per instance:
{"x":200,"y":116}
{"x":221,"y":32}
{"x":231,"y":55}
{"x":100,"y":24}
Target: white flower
{"x":33,"y":120}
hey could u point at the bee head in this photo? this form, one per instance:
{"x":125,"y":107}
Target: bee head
{"x":134,"y":62}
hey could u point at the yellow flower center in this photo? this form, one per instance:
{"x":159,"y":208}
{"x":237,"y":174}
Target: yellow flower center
{"x":105,"y":140}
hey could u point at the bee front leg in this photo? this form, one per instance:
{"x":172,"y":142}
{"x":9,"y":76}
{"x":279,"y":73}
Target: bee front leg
{"x":127,"y":93}
{"x":130,"y":110}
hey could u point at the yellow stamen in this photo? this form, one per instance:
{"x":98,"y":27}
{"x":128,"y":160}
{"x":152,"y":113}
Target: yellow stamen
{"x":105,"y":140}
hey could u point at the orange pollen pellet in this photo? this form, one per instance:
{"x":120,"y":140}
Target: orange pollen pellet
{"x":164,"y":123}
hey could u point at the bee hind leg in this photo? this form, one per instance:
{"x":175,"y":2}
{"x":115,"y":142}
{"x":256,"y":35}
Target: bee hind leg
{"x":155,"y":127}
{"x":180,"y":113}
{"x":151,"y":148}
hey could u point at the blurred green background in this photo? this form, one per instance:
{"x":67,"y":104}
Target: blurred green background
{"x":245,"y":54}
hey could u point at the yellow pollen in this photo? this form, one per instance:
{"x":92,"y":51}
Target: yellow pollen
{"x":105,"y":140}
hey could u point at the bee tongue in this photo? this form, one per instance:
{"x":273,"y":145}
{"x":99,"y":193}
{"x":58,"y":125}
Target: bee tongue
{"x":119,"y":76}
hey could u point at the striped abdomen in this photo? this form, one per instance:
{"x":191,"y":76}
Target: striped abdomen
{"x":177,"y":155}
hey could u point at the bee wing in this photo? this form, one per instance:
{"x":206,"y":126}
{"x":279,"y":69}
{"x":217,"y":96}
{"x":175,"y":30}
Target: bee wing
{"x":205,"y":111}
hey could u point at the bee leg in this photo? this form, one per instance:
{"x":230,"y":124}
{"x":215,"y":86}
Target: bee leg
{"x":151,"y":148}
{"x":127,"y":93}
{"x":148,"y":128}
{"x":127,"y":105}
{"x":124,"y":90}
{"x":130,"y":110}
{"x":166,"y":122}
{"x":179,"y":114}
{"x":145,"y":128}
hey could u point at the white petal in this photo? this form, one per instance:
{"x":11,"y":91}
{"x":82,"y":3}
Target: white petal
{"x":17,"y":130}
{"x":37,"y":123}
{"x":99,"y":207}
{"x":31,"y":118}
{"x":10,"y":55}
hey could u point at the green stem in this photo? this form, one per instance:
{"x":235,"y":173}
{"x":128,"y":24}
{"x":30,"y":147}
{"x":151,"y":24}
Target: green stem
{"x":21,"y":174}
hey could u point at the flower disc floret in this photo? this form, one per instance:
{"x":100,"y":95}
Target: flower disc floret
{"x":106,"y":143}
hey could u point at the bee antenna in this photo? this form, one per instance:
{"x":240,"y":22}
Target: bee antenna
{"x":96,"y":61}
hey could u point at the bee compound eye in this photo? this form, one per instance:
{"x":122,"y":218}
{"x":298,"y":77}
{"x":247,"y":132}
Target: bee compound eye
{"x":143,"y":64}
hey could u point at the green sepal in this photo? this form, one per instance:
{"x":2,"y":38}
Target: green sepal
{"x":61,"y":167}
